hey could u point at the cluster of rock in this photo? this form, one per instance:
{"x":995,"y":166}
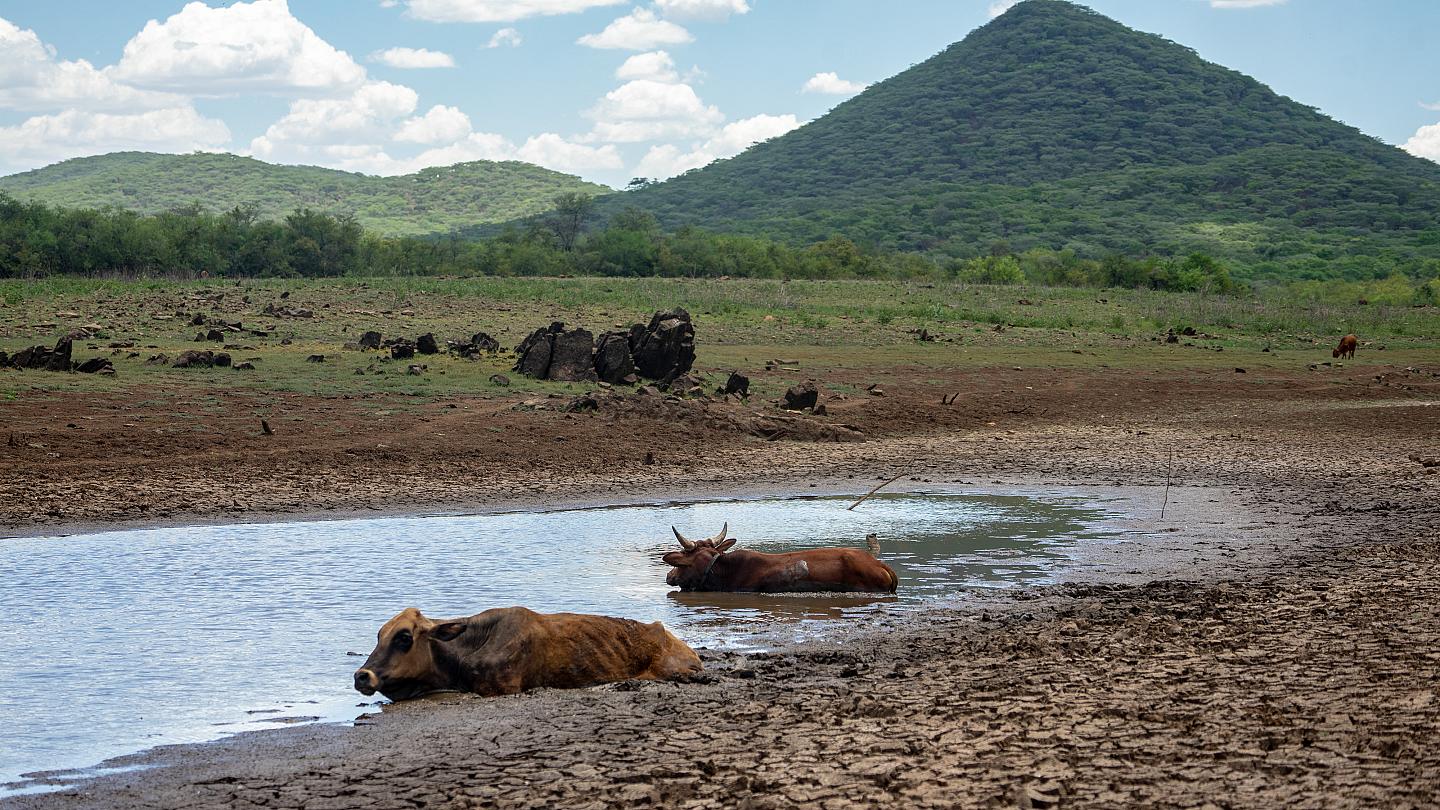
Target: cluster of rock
{"x":220,"y":329}
{"x":404,"y":348}
{"x":44,"y":358}
{"x":201,"y":359}
{"x":663,"y":350}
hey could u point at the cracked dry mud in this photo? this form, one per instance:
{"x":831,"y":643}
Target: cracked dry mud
{"x":1303,"y":676}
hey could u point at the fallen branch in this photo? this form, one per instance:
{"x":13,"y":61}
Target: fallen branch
{"x":875,"y":490}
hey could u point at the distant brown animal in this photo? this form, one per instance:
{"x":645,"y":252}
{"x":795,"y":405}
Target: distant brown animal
{"x":510,"y":650}
{"x":1346,"y":347}
{"x":704,"y":565}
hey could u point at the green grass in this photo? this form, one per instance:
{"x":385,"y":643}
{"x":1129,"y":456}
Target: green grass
{"x":741,"y":324}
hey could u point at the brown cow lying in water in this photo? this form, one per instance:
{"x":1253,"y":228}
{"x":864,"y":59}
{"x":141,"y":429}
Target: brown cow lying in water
{"x":704,"y":565}
{"x":1346,"y":347}
{"x":509,"y":650}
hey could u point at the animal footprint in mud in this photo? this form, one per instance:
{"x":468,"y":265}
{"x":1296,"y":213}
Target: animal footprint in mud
{"x":1040,"y":796}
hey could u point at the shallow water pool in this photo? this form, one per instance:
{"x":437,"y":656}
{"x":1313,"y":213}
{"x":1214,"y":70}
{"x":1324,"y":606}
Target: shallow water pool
{"x":121,"y":641}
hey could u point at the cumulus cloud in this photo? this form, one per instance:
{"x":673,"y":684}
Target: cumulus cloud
{"x":1245,"y":3}
{"x":656,"y":66}
{"x":645,"y":109}
{"x":554,"y":152}
{"x":668,"y":160}
{"x":640,"y":30}
{"x":368,"y":115}
{"x":46,"y":139}
{"x":998,"y":7}
{"x":413,"y":58}
{"x":548,"y":150}
{"x":498,"y":10}
{"x":440,"y":125}
{"x":1430,"y":106}
{"x":1425,"y":143}
{"x":705,"y":10}
{"x":505,"y":37}
{"x":831,"y":84}
{"x":256,"y":47}
{"x":32,"y":77}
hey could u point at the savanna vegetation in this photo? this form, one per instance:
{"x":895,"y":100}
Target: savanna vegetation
{"x":436,"y":200}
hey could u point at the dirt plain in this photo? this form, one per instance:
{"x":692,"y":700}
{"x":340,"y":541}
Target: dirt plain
{"x":1304,"y":676}
{"x":1308,"y":680}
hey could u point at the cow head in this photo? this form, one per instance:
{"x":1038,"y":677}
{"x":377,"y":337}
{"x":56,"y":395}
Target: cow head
{"x":404,"y":663}
{"x":689,"y":566}
{"x":1334,"y":352}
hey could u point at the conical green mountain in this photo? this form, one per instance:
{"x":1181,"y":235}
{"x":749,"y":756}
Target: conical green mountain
{"x":1054,"y":126}
{"x":430,"y":201}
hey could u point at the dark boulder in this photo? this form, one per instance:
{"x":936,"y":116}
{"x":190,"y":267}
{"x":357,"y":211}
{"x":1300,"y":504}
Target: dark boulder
{"x":194,"y":359}
{"x":802,"y":397}
{"x":215,"y":335}
{"x":401,"y":349}
{"x":59,"y":359}
{"x":484,"y":343}
{"x":500,"y":380}
{"x":666,"y":348}
{"x":737,"y":385}
{"x":532,"y":356}
{"x":198,"y":320}
{"x":247,"y":366}
{"x":222,"y":359}
{"x":95,"y":365}
{"x":426,"y":344}
{"x":370,"y":340}
{"x":613,"y":363}
{"x":573,"y":358}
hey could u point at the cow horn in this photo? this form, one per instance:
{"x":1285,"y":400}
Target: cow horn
{"x":720,"y":538}
{"x":685,"y":544}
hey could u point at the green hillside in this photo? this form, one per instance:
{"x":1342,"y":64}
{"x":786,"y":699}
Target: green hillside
{"x":431,"y":201}
{"x":1056,"y":127}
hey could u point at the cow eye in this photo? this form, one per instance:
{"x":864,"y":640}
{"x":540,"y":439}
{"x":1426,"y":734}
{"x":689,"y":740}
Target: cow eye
{"x":402,"y":642}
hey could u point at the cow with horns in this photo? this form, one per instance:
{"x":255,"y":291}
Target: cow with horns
{"x":705,"y":565}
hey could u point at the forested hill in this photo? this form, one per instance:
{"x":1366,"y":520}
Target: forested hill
{"x":1054,"y":126}
{"x":431,"y":201}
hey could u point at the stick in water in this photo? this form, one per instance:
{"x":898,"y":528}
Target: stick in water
{"x":1166,"y":502}
{"x":875,"y":490}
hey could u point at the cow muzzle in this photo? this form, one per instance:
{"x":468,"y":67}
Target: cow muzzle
{"x":366,"y":683}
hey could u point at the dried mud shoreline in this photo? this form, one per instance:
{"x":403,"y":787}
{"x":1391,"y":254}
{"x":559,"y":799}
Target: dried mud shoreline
{"x":1305,"y":676}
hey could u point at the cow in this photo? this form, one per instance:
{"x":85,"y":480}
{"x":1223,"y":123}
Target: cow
{"x":506,"y":651}
{"x":1346,"y":347}
{"x":704,"y":565}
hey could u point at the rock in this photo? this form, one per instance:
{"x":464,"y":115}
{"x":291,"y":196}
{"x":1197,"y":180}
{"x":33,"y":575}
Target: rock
{"x":193,"y":359}
{"x":738,"y":385}
{"x":94,"y":366}
{"x":802,"y":397}
{"x":484,"y":343}
{"x":666,"y":348}
{"x":648,"y":391}
{"x":425,"y":344}
{"x":572,"y":358}
{"x":245,"y":366}
{"x":401,"y":349}
{"x":59,"y":358}
{"x":500,"y":380}
{"x":370,"y":340}
{"x":198,"y":320}
{"x":221,"y":360}
{"x":820,"y":410}
{"x":415,"y":371}
{"x":315,"y":358}
{"x":158,"y":360}
{"x":1239,"y":370}
{"x":613,"y":363}
{"x":584,"y":402}
{"x":532,"y":356}
{"x":349,"y":347}
{"x":215,"y":335}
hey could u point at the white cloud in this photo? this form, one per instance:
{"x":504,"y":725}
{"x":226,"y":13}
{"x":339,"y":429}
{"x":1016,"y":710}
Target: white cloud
{"x":832,"y":84}
{"x":1245,"y":3}
{"x":707,"y":10}
{"x":368,"y":115}
{"x":482,"y":11}
{"x":1430,"y":106}
{"x":656,"y":66}
{"x":46,"y":139}
{"x":554,"y":152}
{"x":440,"y":125}
{"x":1425,"y":143}
{"x":32,"y":77}
{"x":645,"y":109}
{"x":640,"y":30}
{"x":667,"y":160}
{"x":505,"y":37}
{"x":998,"y":7}
{"x":256,"y":47}
{"x":413,"y":58}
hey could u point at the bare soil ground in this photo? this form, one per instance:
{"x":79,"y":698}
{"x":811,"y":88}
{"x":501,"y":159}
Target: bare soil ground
{"x":1307,"y":681}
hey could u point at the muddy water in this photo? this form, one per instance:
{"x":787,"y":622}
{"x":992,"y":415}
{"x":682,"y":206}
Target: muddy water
{"x":117,"y":642}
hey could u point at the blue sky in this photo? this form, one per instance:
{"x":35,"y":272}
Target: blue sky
{"x":608,"y":90}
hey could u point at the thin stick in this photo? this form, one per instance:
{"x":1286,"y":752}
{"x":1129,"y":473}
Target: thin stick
{"x":875,"y":490}
{"x":1166,"y":502}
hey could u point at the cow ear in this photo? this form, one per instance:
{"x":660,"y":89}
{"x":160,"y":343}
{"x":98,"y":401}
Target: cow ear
{"x":725,"y":546}
{"x":677,"y":559}
{"x":447,"y":631}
